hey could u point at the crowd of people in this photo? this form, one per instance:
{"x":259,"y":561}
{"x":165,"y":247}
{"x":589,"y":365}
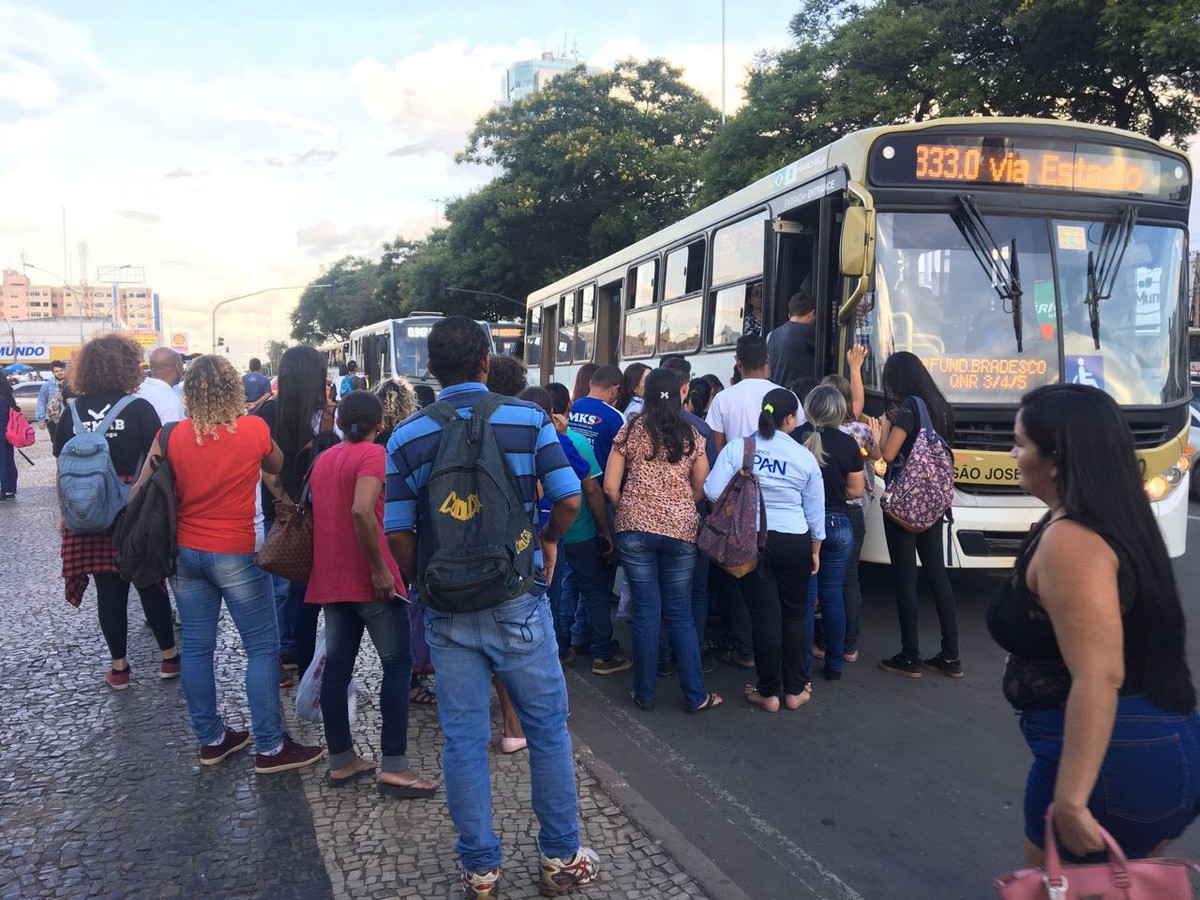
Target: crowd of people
{"x":608,"y":483}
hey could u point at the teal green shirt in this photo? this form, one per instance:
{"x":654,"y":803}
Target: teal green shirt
{"x":584,"y":526}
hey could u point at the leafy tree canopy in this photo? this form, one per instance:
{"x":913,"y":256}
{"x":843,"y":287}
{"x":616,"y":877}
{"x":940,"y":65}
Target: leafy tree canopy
{"x":1135,"y":65}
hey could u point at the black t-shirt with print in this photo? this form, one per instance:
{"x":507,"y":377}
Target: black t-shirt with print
{"x":130,"y":435}
{"x":842,"y":458}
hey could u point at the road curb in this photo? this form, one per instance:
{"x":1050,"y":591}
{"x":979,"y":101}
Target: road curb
{"x":714,"y":882}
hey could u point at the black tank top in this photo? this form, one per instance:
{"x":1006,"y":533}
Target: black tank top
{"x":1035,"y":676}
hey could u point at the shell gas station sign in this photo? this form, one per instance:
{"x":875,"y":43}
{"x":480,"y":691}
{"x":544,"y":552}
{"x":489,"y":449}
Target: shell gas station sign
{"x":178,"y":341}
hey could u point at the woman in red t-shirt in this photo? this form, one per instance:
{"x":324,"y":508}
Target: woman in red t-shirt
{"x":217,"y":454}
{"x":356,"y":579}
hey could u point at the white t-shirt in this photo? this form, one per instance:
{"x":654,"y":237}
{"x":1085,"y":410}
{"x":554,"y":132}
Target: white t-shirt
{"x":788,"y":478}
{"x":734,"y":411}
{"x":163,"y":398}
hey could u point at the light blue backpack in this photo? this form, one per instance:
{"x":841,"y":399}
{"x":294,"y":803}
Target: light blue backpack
{"x":92,"y":493}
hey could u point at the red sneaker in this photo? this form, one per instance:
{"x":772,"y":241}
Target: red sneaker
{"x":231,"y":743}
{"x":118,"y":681}
{"x":292,"y":756}
{"x":169,"y":668}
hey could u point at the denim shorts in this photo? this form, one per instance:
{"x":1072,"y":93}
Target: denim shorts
{"x":1148,"y":790}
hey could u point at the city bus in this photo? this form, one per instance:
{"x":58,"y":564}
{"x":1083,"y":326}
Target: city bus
{"x":1006,"y":253}
{"x":335,"y":357}
{"x":509,"y":338}
{"x":397,"y":347}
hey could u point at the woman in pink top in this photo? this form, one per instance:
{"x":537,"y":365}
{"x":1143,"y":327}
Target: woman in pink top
{"x":357,"y":581}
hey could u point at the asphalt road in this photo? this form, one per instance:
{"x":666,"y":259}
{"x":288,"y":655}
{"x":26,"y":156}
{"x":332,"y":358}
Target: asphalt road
{"x":881,"y":787}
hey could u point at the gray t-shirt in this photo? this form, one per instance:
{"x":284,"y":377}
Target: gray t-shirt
{"x":792,"y":351}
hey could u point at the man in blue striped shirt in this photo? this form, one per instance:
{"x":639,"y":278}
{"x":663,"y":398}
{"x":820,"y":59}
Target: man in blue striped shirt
{"x":515,"y":639}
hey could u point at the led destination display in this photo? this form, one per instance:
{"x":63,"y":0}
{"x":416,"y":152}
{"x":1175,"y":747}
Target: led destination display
{"x":1002,"y":161}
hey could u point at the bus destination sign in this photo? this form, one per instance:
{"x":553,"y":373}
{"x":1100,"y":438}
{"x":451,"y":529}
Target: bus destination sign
{"x":996,"y":161}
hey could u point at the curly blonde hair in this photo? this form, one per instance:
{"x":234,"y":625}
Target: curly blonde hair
{"x":213,"y":395}
{"x":108,"y":362}
{"x":399,"y":401}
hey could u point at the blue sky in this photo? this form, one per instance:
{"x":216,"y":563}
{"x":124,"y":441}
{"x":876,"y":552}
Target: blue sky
{"x":228,"y":147}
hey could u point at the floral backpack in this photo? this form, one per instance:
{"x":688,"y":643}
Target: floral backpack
{"x":921,"y":492}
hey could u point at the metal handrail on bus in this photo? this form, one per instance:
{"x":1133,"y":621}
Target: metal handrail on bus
{"x":859,"y":192}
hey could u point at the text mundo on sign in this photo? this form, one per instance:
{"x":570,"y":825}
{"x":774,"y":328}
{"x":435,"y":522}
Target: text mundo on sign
{"x":25,"y":352}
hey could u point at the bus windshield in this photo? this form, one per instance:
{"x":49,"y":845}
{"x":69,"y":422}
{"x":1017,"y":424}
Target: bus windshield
{"x":935,"y":298}
{"x":410,"y":345}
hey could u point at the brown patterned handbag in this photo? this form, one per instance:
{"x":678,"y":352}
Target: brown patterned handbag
{"x":287,"y":550}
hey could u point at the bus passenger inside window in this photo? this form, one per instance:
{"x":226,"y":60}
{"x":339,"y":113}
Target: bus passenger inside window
{"x":752,"y":323}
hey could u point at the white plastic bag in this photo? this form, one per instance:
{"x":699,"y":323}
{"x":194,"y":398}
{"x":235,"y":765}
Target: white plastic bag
{"x":308,"y":694}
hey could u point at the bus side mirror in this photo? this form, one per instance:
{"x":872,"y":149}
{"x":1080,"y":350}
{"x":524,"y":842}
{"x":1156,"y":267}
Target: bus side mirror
{"x":858,"y":241}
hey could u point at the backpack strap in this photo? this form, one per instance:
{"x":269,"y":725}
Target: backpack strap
{"x":164,"y":435}
{"x":748,"y":454}
{"x":923,"y":412}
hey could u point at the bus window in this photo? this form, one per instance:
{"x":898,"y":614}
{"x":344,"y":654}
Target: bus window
{"x":585,"y":330}
{"x":566,"y":328}
{"x":738,"y":250}
{"x":643,"y":280}
{"x":533,"y":338}
{"x":679,"y":330}
{"x":685,"y":271}
{"x":728,"y":313}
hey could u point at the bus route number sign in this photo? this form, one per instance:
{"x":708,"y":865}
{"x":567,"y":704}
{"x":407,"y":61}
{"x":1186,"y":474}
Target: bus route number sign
{"x":418,"y":331}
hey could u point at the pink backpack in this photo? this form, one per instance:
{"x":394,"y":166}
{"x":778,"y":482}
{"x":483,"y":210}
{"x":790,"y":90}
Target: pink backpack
{"x":735,"y":532}
{"x":922,"y":492}
{"x":18,"y":431}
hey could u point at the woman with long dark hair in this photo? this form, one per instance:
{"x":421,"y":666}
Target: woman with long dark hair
{"x":629,"y":396}
{"x":1094,"y":629}
{"x":905,"y":380}
{"x":776,"y":591}
{"x":8,"y":460}
{"x":359,"y":585}
{"x":654,"y":477}
{"x":700,"y":394}
{"x":305,"y":426}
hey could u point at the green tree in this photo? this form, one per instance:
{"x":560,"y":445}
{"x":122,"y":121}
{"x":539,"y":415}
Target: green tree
{"x":274,"y":352}
{"x":855,"y":65}
{"x":353,"y":300}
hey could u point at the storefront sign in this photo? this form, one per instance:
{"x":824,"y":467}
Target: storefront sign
{"x":30,"y":354}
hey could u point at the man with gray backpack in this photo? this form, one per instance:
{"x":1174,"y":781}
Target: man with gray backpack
{"x":461,"y":520}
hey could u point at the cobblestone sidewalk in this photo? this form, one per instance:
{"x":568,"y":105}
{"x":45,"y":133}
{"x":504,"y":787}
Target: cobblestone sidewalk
{"x":101,"y":793}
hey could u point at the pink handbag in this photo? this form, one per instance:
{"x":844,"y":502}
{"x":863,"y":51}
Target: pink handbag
{"x":1117,"y":879}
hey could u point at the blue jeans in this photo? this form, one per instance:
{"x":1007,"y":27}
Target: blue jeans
{"x":699,"y":608}
{"x":829,"y":586}
{"x":387,"y":623}
{"x":853,"y":589}
{"x":516,"y":641}
{"x":1148,"y":790}
{"x":556,"y":593}
{"x":8,"y":464}
{"x":659,"y":571}
{"x":281,"y":589}
{"x":201,"y":580}
{"x":303,"y":619}
{"x":593,"y":580}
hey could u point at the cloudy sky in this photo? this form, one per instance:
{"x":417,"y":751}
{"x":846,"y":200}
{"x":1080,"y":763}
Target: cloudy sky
{"x":228,"y":147}
{"x":232,"y":146}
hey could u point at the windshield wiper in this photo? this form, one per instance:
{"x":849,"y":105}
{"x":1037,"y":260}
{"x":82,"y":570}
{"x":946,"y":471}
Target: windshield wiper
{"x":1005,"y":273}
{"x":1102,"y":276}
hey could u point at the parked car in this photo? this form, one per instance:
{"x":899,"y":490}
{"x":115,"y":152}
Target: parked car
{"x":26,"y":394}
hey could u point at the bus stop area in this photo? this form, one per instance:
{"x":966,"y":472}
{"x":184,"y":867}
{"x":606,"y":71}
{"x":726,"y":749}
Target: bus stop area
{"x":101,"y":793}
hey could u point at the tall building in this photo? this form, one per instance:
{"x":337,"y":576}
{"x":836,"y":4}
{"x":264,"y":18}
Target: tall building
{"x":135,"y":304}
{"x":525,"y":78}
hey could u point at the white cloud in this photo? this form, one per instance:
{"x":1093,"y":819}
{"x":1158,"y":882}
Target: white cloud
{"x":274,"y":118}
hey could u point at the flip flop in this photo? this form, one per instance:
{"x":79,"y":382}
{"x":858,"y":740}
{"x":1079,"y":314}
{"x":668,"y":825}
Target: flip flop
{"x":346,"y":779}
{"x":712,"y":701}
{"x":406,"y":791}
{"x":730,"y":660}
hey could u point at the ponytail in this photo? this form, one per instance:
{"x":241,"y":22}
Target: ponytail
{"x":777,"y":405}
{"x":824,"y":407}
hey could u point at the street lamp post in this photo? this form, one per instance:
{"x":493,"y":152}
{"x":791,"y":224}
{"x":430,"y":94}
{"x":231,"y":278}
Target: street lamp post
{"x":290,"y":287}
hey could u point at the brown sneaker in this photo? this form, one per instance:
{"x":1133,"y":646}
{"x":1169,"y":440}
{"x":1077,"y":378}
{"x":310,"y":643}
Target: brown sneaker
{"x":231,"y":743}
{"x":292,"y":756}
{"x":118,"y":679}
{"x":611,"y":666}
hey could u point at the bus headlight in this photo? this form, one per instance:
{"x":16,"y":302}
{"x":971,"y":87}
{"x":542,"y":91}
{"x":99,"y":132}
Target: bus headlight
{"x":1158,"y":488}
